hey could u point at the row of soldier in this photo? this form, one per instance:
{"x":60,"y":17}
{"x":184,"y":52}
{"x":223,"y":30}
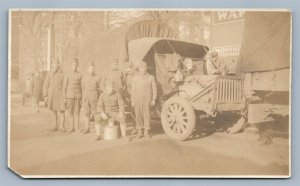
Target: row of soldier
{"x":100,"y":97}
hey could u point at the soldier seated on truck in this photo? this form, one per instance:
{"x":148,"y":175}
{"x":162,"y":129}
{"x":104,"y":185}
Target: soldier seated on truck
{"x":215,"y":66}
{"x":110,"y":108}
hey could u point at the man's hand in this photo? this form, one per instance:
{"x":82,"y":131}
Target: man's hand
{"x":46,"y":99}
{"x":104,"y":116}
{"x":153,"y":103}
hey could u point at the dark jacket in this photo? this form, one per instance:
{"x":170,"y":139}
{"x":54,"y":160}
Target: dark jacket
{"x":53,"y":90}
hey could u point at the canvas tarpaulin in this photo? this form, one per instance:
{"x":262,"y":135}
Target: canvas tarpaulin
{"x":146,"y":29}
{"x":162,"y":56}
{"x":165,"y":69}
{"x":266,"y":42}
{"x":143,"y":49}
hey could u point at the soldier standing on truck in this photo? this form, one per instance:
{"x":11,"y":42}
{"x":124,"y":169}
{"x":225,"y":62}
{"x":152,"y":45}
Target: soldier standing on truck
{"x":215,"y":66}
{"x":90,"y":93}
{"x":72,"y":96}
{"x":143,"y":96}
{"x":52,"y":93}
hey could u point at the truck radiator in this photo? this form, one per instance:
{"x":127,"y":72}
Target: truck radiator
{"x":229,"y":89}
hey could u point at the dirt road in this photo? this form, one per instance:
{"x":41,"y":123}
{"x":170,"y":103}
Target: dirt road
{"x":35,"y":151}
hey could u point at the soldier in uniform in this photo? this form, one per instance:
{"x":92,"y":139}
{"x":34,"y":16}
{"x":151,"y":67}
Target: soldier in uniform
{"x":52,"y":93}
{"x":72,"y":96}
{"x":110,"y":108}
{"x":90,"y":93}
{"x":143,"y":96}
{"x":215,"y":65}
{"x":115,"y":75}
{"x":130,"y":72}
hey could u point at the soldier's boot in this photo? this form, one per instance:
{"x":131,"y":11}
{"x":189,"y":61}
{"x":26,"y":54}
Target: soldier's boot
{"x":62,"y":122}
{"x":146,"y":133}
{"x":76,"y":122}
{"x":98,"y":131}
{"x":123,"y":132}
{"x":87,"y":125}
{"x":138,"y":135}
{"x":71,"y":123}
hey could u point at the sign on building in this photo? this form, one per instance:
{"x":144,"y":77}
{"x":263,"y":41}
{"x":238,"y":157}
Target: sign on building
{"x":227,"y":16}
{"x":233,"y":50}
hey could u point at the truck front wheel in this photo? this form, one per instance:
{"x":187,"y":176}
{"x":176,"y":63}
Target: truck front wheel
{"x":178,"y":118}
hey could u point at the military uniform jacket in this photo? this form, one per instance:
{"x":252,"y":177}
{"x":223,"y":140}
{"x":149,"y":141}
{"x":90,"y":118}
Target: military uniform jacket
{"x":53,"y":90}
{"x":72,"y":85}
{"x":110,"y":103}
{"x":90,"y":87}
{"x":143,"y":89}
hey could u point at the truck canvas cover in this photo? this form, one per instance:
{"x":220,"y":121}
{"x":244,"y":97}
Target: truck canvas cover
{"x":146,"y":29}
{"x":266,"y":41}
{"x":161,"y":55}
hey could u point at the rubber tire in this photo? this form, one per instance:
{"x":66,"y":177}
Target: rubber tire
{"x":190,"y":115}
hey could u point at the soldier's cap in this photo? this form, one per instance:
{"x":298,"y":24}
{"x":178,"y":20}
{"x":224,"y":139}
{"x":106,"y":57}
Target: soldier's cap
{"x":142,"y":65}
{"x":109,"y":83}
{"x":214,"y":54}
{"x":92,"y":64}
{"x":75,"y":61}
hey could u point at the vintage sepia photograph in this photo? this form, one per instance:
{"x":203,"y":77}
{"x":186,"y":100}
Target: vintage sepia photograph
{"x":149,"y":93}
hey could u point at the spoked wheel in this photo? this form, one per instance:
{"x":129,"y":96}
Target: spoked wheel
{"x":178,"y":118}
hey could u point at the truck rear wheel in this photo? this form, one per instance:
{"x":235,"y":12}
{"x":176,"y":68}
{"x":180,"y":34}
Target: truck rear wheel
{"x":178,"y":118}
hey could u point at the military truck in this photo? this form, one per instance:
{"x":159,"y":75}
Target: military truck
{"x":196,"y":93}
{"x":264,"y":60}
{"x":258,"y":94}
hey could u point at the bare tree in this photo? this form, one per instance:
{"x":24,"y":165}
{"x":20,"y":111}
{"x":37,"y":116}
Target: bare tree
{"x":115,"y":19}
{"x":33,"y":27}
